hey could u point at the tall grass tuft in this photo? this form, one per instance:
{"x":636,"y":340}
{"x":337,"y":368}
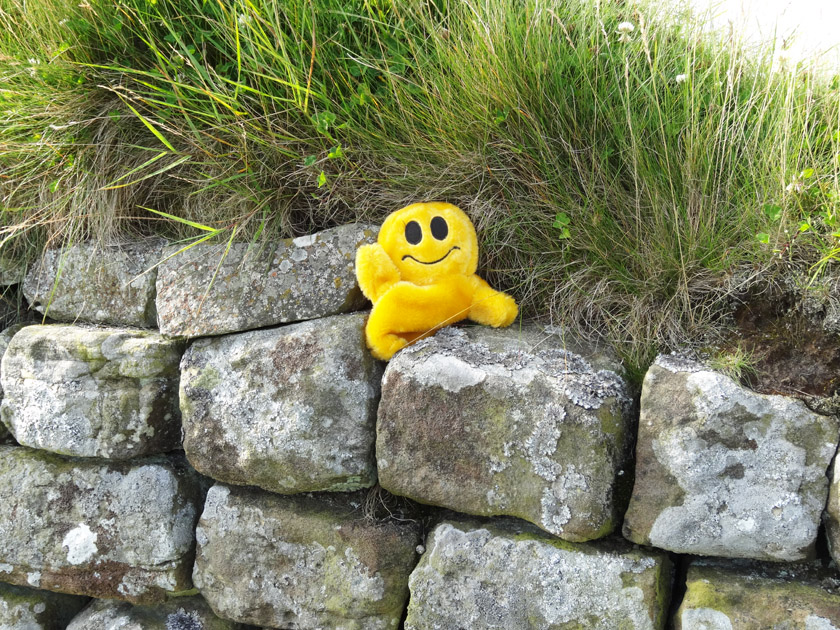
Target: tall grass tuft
{"x":618,"y":164}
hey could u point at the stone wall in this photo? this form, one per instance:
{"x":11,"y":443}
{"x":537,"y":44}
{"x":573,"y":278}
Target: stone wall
{"x":207,"y":443}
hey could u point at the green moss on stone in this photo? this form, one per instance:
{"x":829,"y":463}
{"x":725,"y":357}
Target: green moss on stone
{"x":89,"y":354}
{"x":527,"y":536}
{"x":208,"y":378}
{"x":188,"y":593}
{"x":612,"y":423}
{"x":702,"y":593}
{"x":352,"y":483}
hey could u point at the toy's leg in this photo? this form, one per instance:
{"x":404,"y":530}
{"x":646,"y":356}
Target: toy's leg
{"x":406,"y":313}
{"x":380,"y":333}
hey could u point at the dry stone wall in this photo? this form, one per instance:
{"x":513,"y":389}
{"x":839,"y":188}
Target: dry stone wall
{"x":208,"y":444}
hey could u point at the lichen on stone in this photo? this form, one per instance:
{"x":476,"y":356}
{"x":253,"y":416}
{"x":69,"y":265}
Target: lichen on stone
{"x":85,"y":527}
{"x":224,"y":288}
{"x":290,"y":409}
{"x":497,"y":575}
{"x":302,"y":561}
{"x":541,"y":432}
{"x":111,"y":284}
{"x":750,"y":594}
{"x":92,"y":392}
{"x":748,"y":469}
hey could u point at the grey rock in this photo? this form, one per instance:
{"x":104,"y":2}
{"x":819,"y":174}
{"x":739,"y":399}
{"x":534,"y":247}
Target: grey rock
{"x":100,"y":284}
{"x":291,"y":409}
{"x":213,"y":290}
{"x":723,"y":471}
{"x":103,"y":529}
{"x":24,"y":608}
{"x":754,"y":596}
{"x":508,"y":422}
{"x":510,"y":575}
{"x":92,"y":392}
{"x":302,"y":561}
{"x":12,"y":270}
{"x":831,"y":515}
{"x":5,"y":338}
{"x":181,"y":613}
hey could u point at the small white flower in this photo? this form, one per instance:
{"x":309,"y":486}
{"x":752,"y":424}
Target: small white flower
{"x":681,"y":78}
{"x":34,"y":62}
{"x":63,"y":22}
{"x":624,"y":29}
{"x":794,"y":187}
{"x":244,"y":19}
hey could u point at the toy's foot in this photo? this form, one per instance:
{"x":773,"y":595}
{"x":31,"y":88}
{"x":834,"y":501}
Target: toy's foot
{"x":497,"y":309}
{"x":384,"y":346}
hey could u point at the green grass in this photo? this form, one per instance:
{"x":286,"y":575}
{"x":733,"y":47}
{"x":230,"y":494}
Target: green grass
{"x":279,"y":118}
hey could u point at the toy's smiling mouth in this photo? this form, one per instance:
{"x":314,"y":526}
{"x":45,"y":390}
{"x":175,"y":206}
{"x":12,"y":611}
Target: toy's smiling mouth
{"x":434,"y":262}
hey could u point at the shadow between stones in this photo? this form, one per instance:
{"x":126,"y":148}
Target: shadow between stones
{"x":790,"y":352}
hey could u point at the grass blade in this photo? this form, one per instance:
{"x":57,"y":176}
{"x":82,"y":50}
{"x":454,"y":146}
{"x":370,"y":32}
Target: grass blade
{"x":172,"y":217}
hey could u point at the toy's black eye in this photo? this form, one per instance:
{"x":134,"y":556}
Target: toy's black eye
{"x":413,"y":233}
{"x":439,"y":228}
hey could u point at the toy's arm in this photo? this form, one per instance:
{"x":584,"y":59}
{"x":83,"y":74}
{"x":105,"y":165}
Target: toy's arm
{"x":375,"y":271}
{"x":491,"y":307}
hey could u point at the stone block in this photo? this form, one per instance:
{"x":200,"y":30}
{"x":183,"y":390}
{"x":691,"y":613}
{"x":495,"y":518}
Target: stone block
{"x":181,"y":613}
{"x":213,"y":289}
{"x":289,"y":409}
{"x":92,"y":392}
{"x":99,"y":284}
{"x":831,"y":515}
{"x":23,"y":608}
{"x":515,"y":422}
{"x":121,"y":530}
{"x":508,"y":574}
{"x":743,"y":595}
{"x":12,"y":270}
{"x":302,"y":561}
{"x":724,"y":471}
{"x":5,"y":338}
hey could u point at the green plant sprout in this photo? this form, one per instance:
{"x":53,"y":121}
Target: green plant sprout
{"x":738,"y":363}
{"x":561,"y":222}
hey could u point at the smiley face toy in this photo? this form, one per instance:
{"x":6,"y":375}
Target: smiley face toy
{"x":420,"y":276}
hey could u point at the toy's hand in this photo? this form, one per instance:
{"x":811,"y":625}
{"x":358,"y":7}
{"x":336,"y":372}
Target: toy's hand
{"x":375,"y":271}
{"x":491,"y":307}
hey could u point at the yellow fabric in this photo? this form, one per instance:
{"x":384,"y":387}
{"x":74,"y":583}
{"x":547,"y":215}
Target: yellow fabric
{"x":420,"y":276}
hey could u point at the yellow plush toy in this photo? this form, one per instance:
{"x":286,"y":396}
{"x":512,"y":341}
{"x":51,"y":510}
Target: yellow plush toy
{"x":420,"y":276}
